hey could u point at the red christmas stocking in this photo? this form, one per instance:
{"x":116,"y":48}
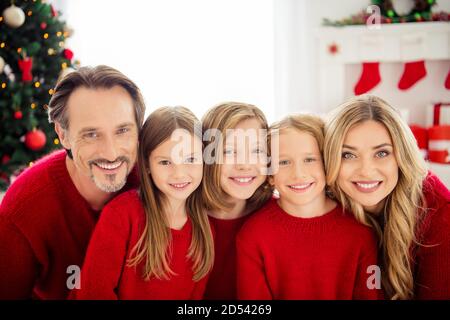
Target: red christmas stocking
{"x":412,"y":72}
{"x":369,"y":78}
{"x":447,"y":81}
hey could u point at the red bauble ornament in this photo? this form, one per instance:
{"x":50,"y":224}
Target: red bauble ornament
{"x":18,"y":115}
{"x":25,"y":66}
{"x":43,"y":25}
{"x":68,"y":54}
{"x":35,"y":140}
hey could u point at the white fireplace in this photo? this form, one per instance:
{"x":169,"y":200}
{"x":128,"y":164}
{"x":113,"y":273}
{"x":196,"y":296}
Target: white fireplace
{"x":340,"y":49}
{"x":390,"y":43}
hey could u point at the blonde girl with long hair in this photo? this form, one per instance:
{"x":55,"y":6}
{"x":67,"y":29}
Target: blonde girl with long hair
{"x":375,"y":170}
{"x":155,"y":242}
{"x":234,"y":183}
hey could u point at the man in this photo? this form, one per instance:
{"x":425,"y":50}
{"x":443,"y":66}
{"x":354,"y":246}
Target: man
{"x":48,"y":214}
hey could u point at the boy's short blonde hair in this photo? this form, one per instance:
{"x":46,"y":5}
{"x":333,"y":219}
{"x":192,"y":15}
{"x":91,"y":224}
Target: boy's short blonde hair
{"x":311,"y":124}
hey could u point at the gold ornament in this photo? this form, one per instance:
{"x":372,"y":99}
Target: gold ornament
{"x":2,"y":65}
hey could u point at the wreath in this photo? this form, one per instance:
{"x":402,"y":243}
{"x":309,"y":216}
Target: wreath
{"x":420,"y":11}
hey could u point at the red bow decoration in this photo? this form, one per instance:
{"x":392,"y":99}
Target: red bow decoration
{"x":25,"y":66}
{"x":54,"y":12}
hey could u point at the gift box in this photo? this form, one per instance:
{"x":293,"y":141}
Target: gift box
{"x":438,"y":114}
{"x":439,"y":144}
{"x":421,"y":135}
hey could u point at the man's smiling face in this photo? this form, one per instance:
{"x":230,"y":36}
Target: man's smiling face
{"x":102,"y":135}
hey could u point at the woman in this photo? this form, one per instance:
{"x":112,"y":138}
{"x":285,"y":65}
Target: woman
{"x":375,"y":169}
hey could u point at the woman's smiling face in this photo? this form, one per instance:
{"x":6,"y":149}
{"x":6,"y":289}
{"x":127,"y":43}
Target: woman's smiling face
{"x":369,"y":169}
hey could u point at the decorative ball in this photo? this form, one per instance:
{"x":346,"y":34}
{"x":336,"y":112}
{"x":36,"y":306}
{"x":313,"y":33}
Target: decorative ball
{"x":14,"y":16}
{"x":403,"y":7}
{"x":43,"y":25}
{"x":35,"y":140}
{"x":18,"y":115}
{"x":68,"y":54}
{"x":2,"y":65}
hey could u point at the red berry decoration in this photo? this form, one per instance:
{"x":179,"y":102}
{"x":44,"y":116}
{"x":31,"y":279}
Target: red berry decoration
{"x":18,"y":115}
{"x":333,"y":49}
{"x":35,"y":140}
{"x":43,"y":25}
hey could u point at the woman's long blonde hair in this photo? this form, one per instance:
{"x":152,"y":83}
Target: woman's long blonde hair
{"x":154,"y":244}
{"x":222,"y":117}
{"x":397,"y":233}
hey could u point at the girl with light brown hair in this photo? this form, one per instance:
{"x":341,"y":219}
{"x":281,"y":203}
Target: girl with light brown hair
{"x":155,"y":242}
{"x":234,"y":183}
{"x":375,"y":170}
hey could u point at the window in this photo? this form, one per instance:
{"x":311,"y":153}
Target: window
{"x":193,"y":53}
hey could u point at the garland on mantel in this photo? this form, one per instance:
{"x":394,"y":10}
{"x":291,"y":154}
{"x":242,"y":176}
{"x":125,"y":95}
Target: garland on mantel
{"x":421,"y":12}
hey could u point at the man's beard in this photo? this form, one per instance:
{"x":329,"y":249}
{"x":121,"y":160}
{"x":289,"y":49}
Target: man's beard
{"x":113,"y":186}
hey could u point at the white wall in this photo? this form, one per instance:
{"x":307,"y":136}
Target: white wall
{"x":296,"y":22}
{"x":195,"y":53}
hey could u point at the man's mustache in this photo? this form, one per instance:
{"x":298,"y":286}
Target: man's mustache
{"x":105,"y":161}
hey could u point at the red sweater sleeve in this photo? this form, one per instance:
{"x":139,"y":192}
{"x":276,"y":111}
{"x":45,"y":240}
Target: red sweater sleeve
{"x":18,"y":265}
{"x":251,"y":279}
{"x":105,"y":257}
{"x":433,"y":258}
{"x":368,"y":258}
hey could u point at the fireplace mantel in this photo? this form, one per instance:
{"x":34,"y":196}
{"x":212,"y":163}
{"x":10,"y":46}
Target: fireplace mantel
{"x":339,"y":46}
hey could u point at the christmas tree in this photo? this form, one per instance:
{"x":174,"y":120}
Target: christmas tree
{"x":32,"y":58}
